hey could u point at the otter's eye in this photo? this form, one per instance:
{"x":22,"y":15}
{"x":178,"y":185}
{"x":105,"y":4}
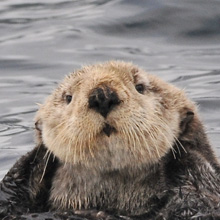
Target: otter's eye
{"x":140,"y":88}
{"x":68,"y":99}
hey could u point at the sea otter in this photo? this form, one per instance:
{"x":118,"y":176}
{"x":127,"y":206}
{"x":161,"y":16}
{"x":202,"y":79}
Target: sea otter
{"x":115,"y":142}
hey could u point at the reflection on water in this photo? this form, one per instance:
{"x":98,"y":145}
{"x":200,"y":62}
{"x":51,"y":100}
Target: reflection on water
{"x":41,"y":41}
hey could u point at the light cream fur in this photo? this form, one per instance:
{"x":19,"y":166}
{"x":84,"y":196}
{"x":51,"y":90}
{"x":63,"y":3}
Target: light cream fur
{"x":146,"y":124}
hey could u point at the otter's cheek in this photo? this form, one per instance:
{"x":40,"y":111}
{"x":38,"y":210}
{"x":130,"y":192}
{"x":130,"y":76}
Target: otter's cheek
{"x":48,"y":135}
{"x":172,"y":121}
{"x":53,"y":143}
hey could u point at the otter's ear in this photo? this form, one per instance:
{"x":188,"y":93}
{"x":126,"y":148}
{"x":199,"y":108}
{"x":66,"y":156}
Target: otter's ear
{"x":38,"y":131}
{"x":186,"y":120}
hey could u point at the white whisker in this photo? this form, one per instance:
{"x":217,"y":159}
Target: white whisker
{"x":45,"y":167}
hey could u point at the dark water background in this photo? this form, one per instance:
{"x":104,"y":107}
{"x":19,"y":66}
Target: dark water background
{"x":42,"y":40}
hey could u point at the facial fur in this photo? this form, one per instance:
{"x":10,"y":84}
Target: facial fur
{"x":140,"y":129}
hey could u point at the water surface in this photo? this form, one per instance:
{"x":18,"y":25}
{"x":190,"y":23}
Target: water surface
{"x":41,"y":41}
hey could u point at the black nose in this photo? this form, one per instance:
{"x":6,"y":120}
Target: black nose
{"x":103,"y":100}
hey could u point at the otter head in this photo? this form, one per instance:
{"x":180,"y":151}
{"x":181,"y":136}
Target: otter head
{"x":113,"y":115}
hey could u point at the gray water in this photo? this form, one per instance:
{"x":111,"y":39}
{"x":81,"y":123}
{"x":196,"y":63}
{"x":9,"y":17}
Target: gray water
{"x":42,"y":40}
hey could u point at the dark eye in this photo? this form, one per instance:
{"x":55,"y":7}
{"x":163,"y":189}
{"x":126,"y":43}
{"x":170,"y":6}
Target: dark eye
{"x":140,"y":88}
{"x":68,"y":99}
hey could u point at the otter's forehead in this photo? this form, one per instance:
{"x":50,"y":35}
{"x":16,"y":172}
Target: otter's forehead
{"x":95,"y":75}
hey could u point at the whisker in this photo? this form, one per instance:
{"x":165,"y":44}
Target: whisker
{"x":45,"y":167}
{"x":140,"y":130}
{"x":177,"y":140}
{"x":126,"y":136}
{"x":90,"y":149}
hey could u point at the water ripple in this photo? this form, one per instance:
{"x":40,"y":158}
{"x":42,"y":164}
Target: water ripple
{"x":41,"y":41}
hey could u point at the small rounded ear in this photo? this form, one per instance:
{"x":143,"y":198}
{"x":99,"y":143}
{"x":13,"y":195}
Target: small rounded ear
{"x":134,"y":70}
{"x":185,"y":122}
{"x":38,"y":131}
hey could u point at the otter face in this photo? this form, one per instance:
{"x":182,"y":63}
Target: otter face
{"x":112,"y":115}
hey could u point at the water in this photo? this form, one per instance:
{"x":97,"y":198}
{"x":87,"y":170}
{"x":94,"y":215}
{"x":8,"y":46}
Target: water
{"x":42,"y":40}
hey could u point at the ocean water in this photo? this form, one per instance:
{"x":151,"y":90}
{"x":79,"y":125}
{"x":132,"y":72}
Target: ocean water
{"x":43,"y":40}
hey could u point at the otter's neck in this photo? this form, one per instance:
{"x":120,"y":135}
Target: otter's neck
{"x":124,"y":191}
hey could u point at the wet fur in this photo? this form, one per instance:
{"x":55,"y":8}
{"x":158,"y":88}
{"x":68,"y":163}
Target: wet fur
{"x":178,"y":180}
